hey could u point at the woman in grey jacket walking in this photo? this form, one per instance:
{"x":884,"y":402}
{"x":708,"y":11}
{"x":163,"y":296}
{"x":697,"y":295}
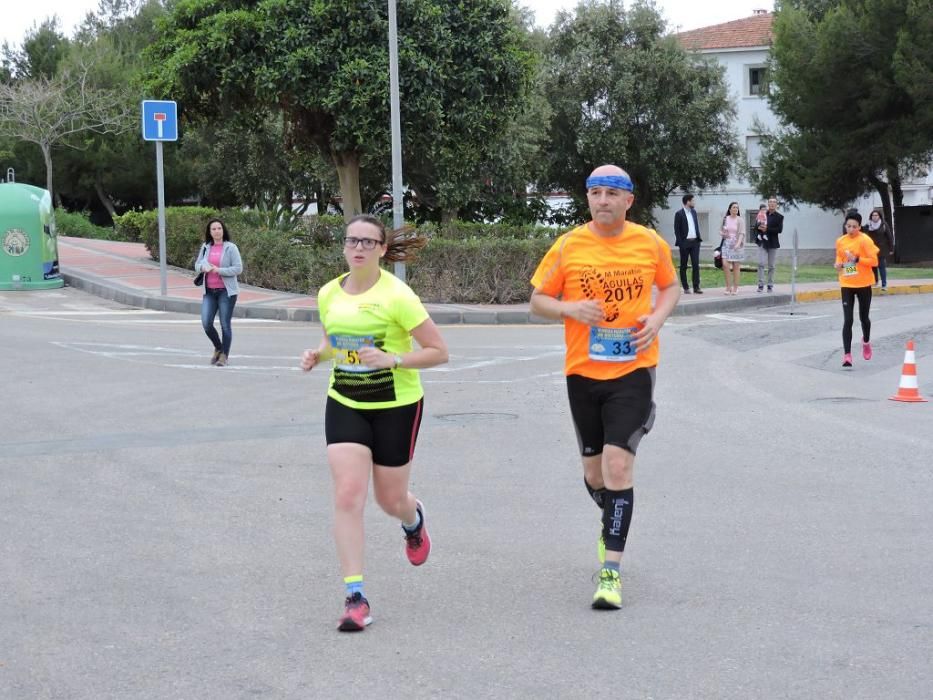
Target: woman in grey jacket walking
{"x":220,"y":262}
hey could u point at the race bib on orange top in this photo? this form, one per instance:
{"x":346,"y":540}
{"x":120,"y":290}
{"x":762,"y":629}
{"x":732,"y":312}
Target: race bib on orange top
{"x":858,"y":274}
{"x":619,"y":272}
{"x":612,"y":344}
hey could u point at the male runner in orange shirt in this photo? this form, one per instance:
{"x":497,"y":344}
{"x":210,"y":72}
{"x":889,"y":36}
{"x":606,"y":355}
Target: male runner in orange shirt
{"x":598,"y":279}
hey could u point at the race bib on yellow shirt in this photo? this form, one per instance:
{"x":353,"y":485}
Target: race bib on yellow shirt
{"x":849,"y":270}
{"x":612,"y":344}
{"x":347,"y":351}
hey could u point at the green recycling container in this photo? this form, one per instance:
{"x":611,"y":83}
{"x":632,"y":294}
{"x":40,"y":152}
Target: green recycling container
{"x":28,"y":243}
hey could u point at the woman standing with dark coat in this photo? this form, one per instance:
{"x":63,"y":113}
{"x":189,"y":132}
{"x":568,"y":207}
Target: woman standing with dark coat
{"x":880,"y":235}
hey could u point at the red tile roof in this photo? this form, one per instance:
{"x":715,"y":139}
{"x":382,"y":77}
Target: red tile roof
{"x":740,"y":33}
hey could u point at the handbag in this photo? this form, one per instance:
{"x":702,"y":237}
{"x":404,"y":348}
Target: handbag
{"x":717,"y":256}
{"x":199,"y":280}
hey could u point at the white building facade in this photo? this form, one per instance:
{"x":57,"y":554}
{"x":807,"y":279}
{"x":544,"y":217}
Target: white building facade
{"x":742,"y":47}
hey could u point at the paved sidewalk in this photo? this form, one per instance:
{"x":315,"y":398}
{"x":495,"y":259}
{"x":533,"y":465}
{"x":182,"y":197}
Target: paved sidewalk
{"x":124,"y":272}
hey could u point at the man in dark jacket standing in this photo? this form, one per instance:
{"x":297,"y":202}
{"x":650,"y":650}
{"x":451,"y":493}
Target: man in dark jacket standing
{"x":687,"y":239}
{"x":768,"y":239}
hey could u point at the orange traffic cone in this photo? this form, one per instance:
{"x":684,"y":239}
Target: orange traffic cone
{"x":908,"y":391}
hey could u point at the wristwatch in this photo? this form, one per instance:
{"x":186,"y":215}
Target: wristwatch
{"x":398,"y":361}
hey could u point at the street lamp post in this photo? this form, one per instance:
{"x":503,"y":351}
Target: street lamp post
{"x":398,"y":213}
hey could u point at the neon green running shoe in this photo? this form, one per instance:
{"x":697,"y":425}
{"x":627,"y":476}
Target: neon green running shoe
{"x":608,"y":594}
{"x":601,"y":549}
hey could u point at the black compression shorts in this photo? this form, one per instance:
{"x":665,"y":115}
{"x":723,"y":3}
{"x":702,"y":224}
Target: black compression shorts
{"x":389,"y":433}
{"x":612,"y":411}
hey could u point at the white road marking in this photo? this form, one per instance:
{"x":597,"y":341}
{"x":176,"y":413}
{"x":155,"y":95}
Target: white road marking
{"x":131,"y":312}
{"x":732,"y":318}
{"x":170,"y":356}
{"x":239,"y":368}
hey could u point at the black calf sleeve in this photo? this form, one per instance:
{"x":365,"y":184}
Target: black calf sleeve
{"x":598,"y":495}
{"x":617,"y":517}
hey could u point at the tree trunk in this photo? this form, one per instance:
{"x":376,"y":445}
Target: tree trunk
{"x":348,"y":172}
{"x":894,"y":178}
{"x":105,"y":199}
{"x":47,"y":157}
{"x":448,"y":214}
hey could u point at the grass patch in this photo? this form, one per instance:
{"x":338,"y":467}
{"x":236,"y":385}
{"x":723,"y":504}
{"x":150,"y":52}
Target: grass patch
{"x":710,"y":277}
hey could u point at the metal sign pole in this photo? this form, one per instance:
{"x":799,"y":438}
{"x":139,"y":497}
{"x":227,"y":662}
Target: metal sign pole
{"x":160,"y":123}
{"x":793,"y":276}
{"x":160,"y":180}
{"x":398,"y":215}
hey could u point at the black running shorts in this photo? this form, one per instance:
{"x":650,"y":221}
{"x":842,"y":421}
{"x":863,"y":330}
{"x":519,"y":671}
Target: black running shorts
{"x":616,"y":412}
{"x":389,"y":433}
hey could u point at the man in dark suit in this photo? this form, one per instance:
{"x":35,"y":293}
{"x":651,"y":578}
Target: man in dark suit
{"x":768,"y":238}
{"x":687,"y":239}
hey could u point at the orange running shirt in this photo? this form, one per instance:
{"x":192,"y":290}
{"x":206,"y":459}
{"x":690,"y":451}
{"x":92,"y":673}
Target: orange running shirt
{"x":619,"y":272}
{"x":859,"y":274}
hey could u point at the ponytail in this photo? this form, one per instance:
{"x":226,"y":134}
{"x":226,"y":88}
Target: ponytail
{"x":403,"y":244}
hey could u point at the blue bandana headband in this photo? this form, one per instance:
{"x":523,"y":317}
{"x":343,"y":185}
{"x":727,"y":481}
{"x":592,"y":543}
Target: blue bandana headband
{"x":616,"y":182}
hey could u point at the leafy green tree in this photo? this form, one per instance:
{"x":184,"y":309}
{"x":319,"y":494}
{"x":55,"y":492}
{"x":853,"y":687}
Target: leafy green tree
{"x":624,"y":93}
{"x":249,"y":161}
{"x":52,"y":111}
{"x":111,"y":173}
{"x":40,"y":55}
{"x":494,"y":186}
{"x":852,"y":86}
{"x":325,"y":65}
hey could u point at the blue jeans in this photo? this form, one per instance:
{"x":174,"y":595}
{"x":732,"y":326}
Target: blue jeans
{"x":217,"y":300}
{"x":883,"y":269}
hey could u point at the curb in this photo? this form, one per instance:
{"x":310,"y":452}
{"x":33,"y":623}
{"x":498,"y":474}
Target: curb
{"x":835,"y":294}
{"x":441,"y":316}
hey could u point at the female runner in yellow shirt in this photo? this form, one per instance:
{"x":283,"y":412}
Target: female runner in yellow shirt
{"x":375,"y":399}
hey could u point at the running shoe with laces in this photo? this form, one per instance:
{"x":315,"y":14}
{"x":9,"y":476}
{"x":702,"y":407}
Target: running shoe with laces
{"x":847,"y":360}
{"x":866,"y":350}
{"x":355,"y":615}
{"x":608,"y":594}
{"x":418,"y":543}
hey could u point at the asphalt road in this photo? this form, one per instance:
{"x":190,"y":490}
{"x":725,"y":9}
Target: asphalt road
{"x":165,"y":525}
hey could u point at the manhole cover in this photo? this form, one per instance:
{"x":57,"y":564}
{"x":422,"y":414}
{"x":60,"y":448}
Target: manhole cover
{"x":843,"y":399}
{"x":475,"y":417}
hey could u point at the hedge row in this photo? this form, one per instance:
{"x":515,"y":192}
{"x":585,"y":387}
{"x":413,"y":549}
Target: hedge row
{"x":73,"y":224}
{"x":463,"y":263}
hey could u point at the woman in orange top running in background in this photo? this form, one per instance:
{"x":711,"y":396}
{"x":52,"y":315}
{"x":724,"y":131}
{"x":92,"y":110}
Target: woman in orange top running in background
{"x":856,"y":255}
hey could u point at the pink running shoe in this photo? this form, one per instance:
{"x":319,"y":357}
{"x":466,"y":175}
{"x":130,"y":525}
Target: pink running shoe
{"x":866,"y":349}
{"x":418,"y":543}
{"x":847,"y":360}
{"x":355,"y":615}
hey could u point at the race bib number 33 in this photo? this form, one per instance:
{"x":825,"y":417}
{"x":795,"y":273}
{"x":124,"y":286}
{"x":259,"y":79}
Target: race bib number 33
{"x":347,"y":351}
{"x":612,"y":344}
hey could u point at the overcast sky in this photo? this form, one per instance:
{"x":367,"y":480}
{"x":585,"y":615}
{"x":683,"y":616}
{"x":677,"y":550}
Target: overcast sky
{"x":18,"y":16}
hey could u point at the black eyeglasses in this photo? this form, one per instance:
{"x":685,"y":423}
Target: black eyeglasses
{"x":367,"y":243}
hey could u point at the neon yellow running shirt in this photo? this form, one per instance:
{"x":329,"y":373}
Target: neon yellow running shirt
{"x":382,"y":316}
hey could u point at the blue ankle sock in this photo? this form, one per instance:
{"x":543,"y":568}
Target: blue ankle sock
{"x":612,"y":565}
{"x":413,"y":527}
{"x":354,"y":584}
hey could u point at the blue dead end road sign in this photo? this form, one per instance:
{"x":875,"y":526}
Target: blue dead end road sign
{"x":160,"y":120}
